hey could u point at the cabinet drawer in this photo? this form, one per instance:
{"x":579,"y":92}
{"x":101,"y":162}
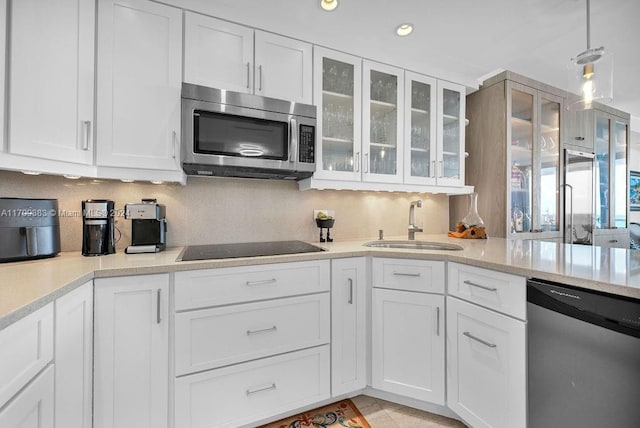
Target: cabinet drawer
{"x":33,"y":406}
{"x":25,"y":348}
{"x":411,"y":275}
{"x":245,"y":393}
{"x":217,"y":337}
{"x":613,"y":240}
{"x":215,"y":287}
{"x":502,"y":292}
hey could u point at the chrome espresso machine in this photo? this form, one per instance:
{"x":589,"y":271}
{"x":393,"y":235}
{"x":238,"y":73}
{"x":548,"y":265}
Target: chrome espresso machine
{"x":148,"y":226}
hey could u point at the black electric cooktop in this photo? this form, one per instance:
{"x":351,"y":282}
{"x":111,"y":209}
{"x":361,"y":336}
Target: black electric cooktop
{"x":245,"y":249}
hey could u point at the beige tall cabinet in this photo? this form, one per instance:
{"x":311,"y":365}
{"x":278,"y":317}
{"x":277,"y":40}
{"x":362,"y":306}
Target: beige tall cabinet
{"x":514,"y":143}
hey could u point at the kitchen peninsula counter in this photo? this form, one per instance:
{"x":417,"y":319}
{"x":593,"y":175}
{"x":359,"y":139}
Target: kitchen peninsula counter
{"x":29,"y":285}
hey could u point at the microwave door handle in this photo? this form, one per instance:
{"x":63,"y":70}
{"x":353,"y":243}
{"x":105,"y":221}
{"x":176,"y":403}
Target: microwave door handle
{"x":293,"y":140}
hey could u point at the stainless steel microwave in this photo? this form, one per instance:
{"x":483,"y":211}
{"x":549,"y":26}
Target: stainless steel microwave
{"x":233,"y":134}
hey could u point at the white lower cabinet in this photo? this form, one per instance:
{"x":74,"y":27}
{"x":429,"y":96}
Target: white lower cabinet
{"x":74,"y":358}
{"x":243,"y":393}
{"x":486,"y":366}
{"x":408,"y":344}
{"x":33,"y":406}
{"x":348,"y":325}
{"x":131,"y":362}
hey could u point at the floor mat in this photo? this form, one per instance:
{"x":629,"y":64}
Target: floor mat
{"x":341,"y":414}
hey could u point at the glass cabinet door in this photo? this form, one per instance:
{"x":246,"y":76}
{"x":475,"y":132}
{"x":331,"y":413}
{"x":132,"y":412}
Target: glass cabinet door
{"x":522,"y":142}
{"x":602,"y":172}
{"x":451,"y":123}
{"x":337,"y":92}
{"x":382,"y":135}
{"x":420,"y":130}
{"x":621,"y":195}
{"x":547,"y":213}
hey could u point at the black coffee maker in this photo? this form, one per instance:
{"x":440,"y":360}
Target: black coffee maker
{"x":148,"y":226}
{"x":98,"y":227}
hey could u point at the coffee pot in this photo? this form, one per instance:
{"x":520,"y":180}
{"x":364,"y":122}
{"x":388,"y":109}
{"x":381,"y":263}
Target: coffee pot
{"x":148,"y":226}
{"x":98,"y":227}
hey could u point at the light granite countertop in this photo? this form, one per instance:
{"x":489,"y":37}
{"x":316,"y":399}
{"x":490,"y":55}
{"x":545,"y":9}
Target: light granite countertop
{"x":27,"y":286}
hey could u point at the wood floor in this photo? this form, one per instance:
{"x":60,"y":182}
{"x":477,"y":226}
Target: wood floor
{"x":383,"y":414}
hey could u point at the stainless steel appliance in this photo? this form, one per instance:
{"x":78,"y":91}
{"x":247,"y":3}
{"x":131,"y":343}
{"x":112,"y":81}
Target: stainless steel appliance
{"x":245,"y":249}
{"x":148,"y":226}
{"x":232,"y":134}
{"x":579,"y":197}
{"x":583,"y":358}
{"x":29,"y":229}
{"x":98,"y":227}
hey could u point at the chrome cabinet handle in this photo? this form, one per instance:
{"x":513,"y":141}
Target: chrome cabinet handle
{"x":579,"y":138}
{"x":366,"y":162}
{"x":433,"y":169}
{"x":441,"y":169}
{"x":248,"y":74}
{"x":484,"y":342}
{"x":261,"y":282}
{"x":268,"y":388}
{"x":87,"y":134}
{"x":158,"y":319}
{"x":613,"y":241}
{"x":473,"y":284}
{"x":438,"y":321}
{"x":406,"y":274}
{"x":260,"y":79}
{"x":357,"y":161}
{"x":350,"y":291}
{"x":264,"y":330}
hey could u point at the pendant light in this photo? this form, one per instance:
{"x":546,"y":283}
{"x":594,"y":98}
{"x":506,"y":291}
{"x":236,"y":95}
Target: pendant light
{"x":590,"y":74}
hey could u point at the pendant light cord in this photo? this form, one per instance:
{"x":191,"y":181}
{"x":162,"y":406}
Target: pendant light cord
{"x":588,"y":25}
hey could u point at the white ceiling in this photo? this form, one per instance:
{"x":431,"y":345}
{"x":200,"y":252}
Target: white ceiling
{"x":461,"y":40}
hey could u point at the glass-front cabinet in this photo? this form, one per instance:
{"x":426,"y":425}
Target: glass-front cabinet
{"x":338,"y":97}
{"x":420,"y":129}
{"x":451,"y":123}
{"x":611,"y":171}
{"x":534,"y":149}
{"x":382,"y":109}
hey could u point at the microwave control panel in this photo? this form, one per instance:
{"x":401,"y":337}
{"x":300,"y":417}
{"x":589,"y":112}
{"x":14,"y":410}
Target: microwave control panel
{"x":307,"y":144}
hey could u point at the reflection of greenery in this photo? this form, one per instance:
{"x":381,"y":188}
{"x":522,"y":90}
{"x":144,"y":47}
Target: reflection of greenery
{"x":634,"y":190}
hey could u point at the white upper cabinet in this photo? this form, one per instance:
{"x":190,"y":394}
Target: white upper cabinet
{"x":139,"y":84}
{"x":451,"y":123}
{"x":382,"y":111}
{"x":338,"y":94}
{"x":3,"y":44}
{"x":217,"y":53}
{"x":51,"y":79}
{"x":420,"y":94}
{"x":220,"y":54}
{"x":283,"y":67}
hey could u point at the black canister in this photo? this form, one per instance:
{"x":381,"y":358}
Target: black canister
{"x":98,"y":237}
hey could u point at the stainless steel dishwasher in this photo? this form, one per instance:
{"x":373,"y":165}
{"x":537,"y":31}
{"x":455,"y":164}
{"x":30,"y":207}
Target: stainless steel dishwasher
{"x":583,"y":358}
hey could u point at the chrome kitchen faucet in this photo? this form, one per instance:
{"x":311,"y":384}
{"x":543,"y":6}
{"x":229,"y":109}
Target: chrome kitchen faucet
{"x":412,"y":220}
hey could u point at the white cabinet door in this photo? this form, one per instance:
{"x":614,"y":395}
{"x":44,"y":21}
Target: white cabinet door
{"x":51,"y":79}
{"x":138,"y":90}
{"x":33,"y":406}
{"x":283,"y":67}
{"x":131,"y":368}
{"x":420,"y":94}
{"x":348,"y":325}
{"x":26,"y":347}
{"x":382,"y":124}
{"x":74,"y":358}
{"x":451,"y":123}
{"x":3,"y":45}
{"x":486,"y":366}
{"x":217,"y":54}
{"x":337,"y":91}
{"x":408,"y":344}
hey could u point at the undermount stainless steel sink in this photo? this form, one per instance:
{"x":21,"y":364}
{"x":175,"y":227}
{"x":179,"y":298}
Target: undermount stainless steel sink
{"x":414,"y":245}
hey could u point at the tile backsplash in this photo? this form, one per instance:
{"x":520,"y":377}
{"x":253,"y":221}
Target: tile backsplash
{"x":223,"y":210}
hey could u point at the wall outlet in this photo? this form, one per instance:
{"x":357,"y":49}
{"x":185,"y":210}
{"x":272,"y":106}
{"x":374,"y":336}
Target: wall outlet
{"x":328,"y":213}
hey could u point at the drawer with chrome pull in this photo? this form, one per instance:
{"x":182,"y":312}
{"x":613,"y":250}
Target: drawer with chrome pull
{"x":406,"y":274}
{"x":216,"y":287}
{"x":499,"y":291}
{"x":210,"y":338}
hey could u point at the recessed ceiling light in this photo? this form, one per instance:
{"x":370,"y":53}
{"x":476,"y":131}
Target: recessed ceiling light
{"x":404,"y":29}
{"x":329,"y":5}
